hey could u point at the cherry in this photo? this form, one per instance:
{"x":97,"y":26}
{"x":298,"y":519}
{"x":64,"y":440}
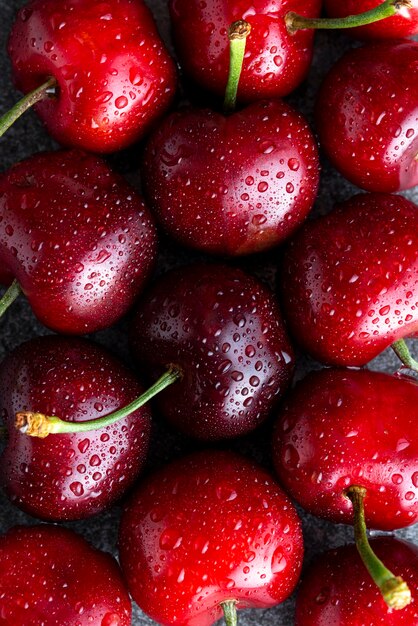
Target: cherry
{"x":222,"y":329}
{"x":371,"y":95}
{"x":111,"y":75}
{"x":341,"y":428}
{"x":276,"y":61}
{"x":232,"y":185}
{"x":76,"y":237}
{"x":350,"y":279}
{"x":74,"y":475}
{"x":50,"y":576}
{"x":403,"y":24}
{"x":337,"y":590}
{"x":209,"y":532}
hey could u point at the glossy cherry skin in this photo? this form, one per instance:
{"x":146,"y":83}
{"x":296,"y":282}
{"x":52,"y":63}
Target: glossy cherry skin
{"x":232,"y":185}
{"x":206,"y":529}
{"x":349,"y":280}
{"x":371,"y":96}
{"x":77,"y":238}
{"x":403,"y":24}
{"x":341,"y":428}
{"x":275,"y":63}
{"x":223,"y":329}
{"x":51,"y":576}
{"x":337,"y":588}
{"x":114,"y":75}
{"x":69,"y":476}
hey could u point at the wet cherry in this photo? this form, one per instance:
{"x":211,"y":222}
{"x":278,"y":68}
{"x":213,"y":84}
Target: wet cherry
{"x":276,"y":61}
{"x":77,"y":239}
{"x":69,"y":476}
{"x":50,"y":576}
{"x":223,"y":331}
{"x":349,"y":279}
{"x":112,"y":74}
{"x":371,"y":97}
{"x":232,"y":185}
{"x":209,"y":532}
{"x":337,"y":590}
{"x":344,"y":427}
{"x":403,"y":24}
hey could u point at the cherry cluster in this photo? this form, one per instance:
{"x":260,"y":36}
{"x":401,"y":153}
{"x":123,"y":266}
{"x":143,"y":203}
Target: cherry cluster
{"x":212,"y":532}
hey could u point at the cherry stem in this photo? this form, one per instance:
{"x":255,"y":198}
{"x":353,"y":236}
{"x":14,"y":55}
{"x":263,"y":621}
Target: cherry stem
{"x":40,"y":425}
{"x":395,"y":591}
{"x":238,"y":33}
{"x":402,"y":351}
{"x":295,"y":22}
{"x":9,"y":297}
{"x":46,"y":90}
{"x":230,"y":613}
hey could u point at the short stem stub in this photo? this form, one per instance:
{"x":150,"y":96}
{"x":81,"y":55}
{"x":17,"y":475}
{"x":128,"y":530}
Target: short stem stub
{"x":47,"y":90}
{"x":238,"y":33}
{"x":295,"y":22}
{"x":395,"y":591}
{"x":9,"y":297}
{"x":230,"y":612}
{"x":402,"y":352}
{"x":40,"y":425}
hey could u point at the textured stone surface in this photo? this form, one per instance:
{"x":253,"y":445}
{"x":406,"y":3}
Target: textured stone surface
{"x":19,"y":324}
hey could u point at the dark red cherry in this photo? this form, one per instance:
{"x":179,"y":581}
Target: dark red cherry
{"x":232,"y":185}
{"x":350,"y":279}
{"x":337,"y":589}
{"x":367,"y":116}
{"x":223,"y":330}
{"x":50,"y":576}
{"x":403,"y":24}
{"x":76,"y":237}
{"x":208,"y":532}
{"x":276,"y":61}
{"x":112,"y":73}
{"x":69,"y":476}
{"x":344,"y":428}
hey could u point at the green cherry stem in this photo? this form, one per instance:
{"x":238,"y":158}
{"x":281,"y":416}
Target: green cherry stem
{"x":9,"y":297}
{"x":46,"y":90}
{"x":295,"y":22}
{"x":401,"y":350}
{"x":40,"y":425}
{"x":238,"y":33}
{"x":230,"y":613}
{"x":394,"y":590}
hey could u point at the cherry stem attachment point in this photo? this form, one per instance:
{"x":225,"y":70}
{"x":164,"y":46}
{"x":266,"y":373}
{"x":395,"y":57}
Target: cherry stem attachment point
{"x":230,"y":612}
{"x":238,"y":33}
{"x":295,"y":22}
{"x":9,"y":297}
{"x":395,"y":591}
{"x":47,"y":90}
{"x":40,"y":425}
{"x":402,"y":352}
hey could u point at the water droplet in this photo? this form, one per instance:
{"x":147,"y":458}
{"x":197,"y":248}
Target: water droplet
{"x":84,"y":445}
{"x":77,"y":489}
{"x":121,"y":102}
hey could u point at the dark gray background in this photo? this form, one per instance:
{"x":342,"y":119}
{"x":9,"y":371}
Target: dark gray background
{"x":19,"y":325}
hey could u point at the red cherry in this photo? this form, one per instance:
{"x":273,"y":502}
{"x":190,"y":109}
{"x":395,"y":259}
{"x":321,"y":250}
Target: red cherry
{"x":276,"y":61}
{"x":343,"y":428}
{"x":403,"y":24}
{"x":350,"y":279}
{"x":371,"y":97}
{"x":113,"y":75}
{"x":69,"y":476}
{"x":223,"y":330}
{"x":76,"y":237}
{"x":337,"y":590}
{"x":51,"y":576}
{"x":209,"y":529}
{"x":232,"y":185}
